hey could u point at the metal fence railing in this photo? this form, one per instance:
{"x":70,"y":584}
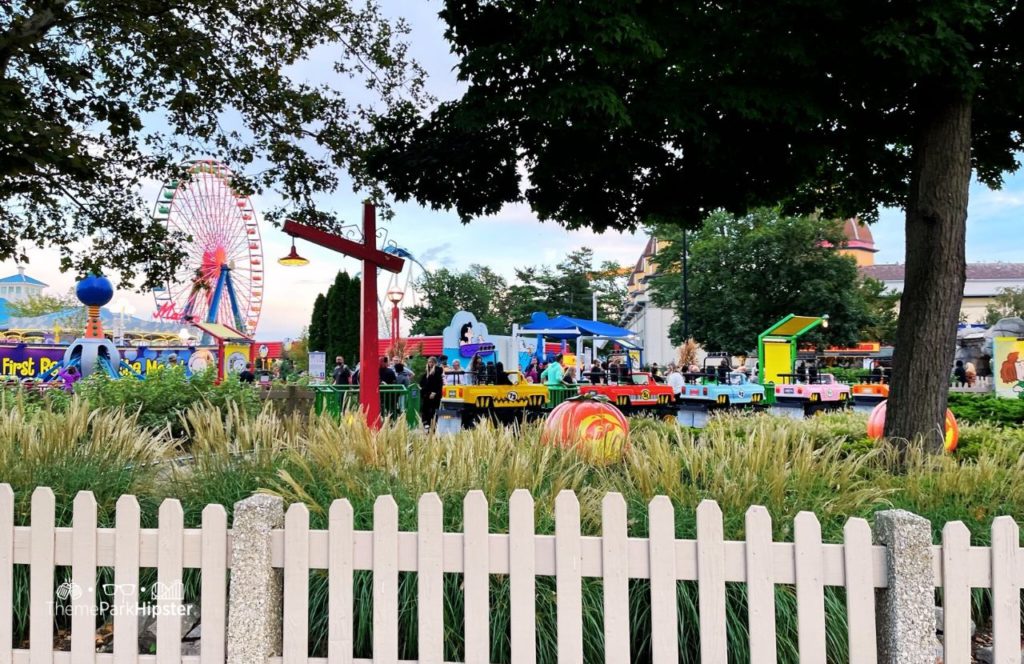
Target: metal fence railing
{"x":396,"y":401}
{"x":559,"y":394}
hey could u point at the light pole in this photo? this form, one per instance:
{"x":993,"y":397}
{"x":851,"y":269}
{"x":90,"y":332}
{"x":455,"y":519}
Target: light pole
{"x":686,"y":294}
{"x":372,"y":258}
{"x":395,"y":298}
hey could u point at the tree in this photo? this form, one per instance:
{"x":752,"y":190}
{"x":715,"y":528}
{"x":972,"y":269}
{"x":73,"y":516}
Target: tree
{"x":318,"y":324}
{"x":745,"y":273}
{"x":1008,"y":303}
{"x":478,"y":290}
{"x":568,"y":289}
{"x":627,"y":113}
{"x":98,"y":97}
{"x":883,"y":305}
{"x":343,"y":312}
{"x":351,"y":332}
{"x":299,"y":352}
{"x":334,"y":325}
{"x":40,"y":305}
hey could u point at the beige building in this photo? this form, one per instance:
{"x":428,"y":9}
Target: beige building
{"x":984,"y":283}
{"x":651,"y":323}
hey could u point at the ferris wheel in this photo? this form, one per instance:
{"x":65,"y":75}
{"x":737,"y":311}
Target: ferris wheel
{"x":221,"y":278}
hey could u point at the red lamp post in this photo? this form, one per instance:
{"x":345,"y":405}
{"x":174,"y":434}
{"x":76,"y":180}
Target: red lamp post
{"x":373,"y":258}
{"x":395,"y":298}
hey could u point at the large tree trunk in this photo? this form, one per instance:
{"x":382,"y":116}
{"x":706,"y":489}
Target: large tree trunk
{"x":935,"y":272}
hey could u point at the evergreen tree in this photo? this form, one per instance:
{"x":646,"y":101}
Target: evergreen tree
{"x":318,"y":324}
{"x":349,"y":330}
{"x":337,"y":309}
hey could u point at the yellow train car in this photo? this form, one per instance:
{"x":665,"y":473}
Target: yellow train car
{"x":505,"y":403}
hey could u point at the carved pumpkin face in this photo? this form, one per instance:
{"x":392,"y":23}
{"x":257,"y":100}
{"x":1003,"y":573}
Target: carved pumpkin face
{"x":876,"y":427}
{"x":597,"y":428}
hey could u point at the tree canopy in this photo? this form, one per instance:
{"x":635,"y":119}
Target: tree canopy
{"x":98,"y":97}
{"x":747,"y":272}
{"x":446,"y":292}
{"x":40,"y":305}
{"x":621,"y":114}
{"x":565,"y":289}
{"x":568,"y":289}
{"x":1008,"y":303}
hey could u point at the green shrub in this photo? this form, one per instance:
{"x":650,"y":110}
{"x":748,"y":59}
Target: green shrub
{"x":986,"y":408}
{"x":163,"y":397}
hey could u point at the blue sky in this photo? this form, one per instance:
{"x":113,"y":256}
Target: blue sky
{"x":512,"y":238}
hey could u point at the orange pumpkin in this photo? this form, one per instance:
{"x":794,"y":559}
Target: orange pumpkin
{"x":876,"y":426}
{"x":592,"y":424}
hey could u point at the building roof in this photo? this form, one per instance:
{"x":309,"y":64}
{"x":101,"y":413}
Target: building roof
{"x":427,"y":346}
{"x":22,"y":278}
{"x":650,"y":249}
{"x":975,"y":271}
{"x":858,"y":235}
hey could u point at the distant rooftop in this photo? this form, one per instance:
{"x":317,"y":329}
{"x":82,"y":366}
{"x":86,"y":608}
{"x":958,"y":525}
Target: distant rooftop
{"x":975,"y":271}
{"x":21,"y":278}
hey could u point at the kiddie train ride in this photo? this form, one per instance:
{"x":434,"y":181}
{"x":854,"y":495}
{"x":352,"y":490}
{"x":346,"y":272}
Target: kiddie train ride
{"x":715,"y":389}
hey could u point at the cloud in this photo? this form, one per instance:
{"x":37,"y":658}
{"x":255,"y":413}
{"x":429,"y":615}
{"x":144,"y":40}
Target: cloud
{"x":440,"y":253}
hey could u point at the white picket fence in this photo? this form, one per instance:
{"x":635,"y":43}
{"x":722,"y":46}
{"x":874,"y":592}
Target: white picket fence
{"x":170,"y":549}
{"x":807,"y":563}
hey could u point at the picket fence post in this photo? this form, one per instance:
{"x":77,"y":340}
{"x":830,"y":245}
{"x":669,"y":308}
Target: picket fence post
{"x":254,"y":599}
{"x":906,"y":608}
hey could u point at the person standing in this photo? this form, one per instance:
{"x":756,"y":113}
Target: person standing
{"x":431,"y":386}
{"x":552,"y":375}
{"x":404,"y":378}
{"x":960,"y":374}
{"x":247,"y":376}
{"x":387,"y":374}
{"x":675,"y":381}
{"x":341,"y":375}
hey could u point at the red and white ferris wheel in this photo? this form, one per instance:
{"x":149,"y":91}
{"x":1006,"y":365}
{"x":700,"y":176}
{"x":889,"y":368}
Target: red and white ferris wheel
{"x":221,"y":279}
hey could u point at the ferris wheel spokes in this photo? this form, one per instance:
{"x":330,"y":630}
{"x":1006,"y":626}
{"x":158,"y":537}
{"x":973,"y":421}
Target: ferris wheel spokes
{"x":224,"y":249}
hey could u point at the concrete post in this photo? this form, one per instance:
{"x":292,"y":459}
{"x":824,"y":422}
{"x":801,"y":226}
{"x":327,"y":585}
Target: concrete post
{"x":254,"y":600}
{"x":906,"y":609}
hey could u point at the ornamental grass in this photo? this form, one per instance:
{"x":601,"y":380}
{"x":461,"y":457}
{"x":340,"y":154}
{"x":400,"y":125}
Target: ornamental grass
{"x":825,"y":465}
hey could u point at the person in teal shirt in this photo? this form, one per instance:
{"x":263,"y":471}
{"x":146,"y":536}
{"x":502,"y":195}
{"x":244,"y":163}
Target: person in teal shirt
{"x":552,"y":375}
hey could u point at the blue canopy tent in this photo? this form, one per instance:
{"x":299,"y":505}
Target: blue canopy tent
{"x":566,"y":328}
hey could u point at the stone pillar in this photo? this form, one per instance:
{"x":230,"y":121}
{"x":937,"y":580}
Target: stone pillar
{"x":906,"y":609}
{"x":254,"y":600}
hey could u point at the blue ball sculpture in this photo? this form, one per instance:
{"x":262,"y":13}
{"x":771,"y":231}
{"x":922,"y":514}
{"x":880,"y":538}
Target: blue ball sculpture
{"x":94,"y":291}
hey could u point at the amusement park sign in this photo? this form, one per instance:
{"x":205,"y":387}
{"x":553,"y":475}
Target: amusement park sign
{"x":167,"y":311}
{"x":23,"y":361}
